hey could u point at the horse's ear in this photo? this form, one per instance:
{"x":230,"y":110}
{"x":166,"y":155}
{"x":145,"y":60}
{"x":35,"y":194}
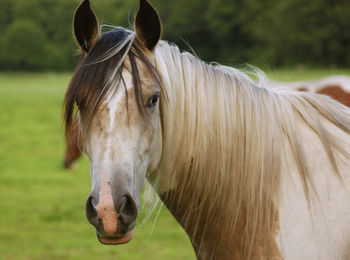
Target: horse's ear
{"x":147,"y":24}
{"x":85,"y":26}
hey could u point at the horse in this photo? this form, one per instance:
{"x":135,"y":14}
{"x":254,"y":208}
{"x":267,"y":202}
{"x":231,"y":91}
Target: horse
{"x":248,"y":171}
{"x":337,"y":87}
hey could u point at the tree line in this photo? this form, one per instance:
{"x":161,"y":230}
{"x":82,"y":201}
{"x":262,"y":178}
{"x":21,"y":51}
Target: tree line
{"x":37,"y":34}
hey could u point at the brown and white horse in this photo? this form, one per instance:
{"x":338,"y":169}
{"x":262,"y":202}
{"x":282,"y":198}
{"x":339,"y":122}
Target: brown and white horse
{"x":249,"y":172}
{"x":337,"y":87}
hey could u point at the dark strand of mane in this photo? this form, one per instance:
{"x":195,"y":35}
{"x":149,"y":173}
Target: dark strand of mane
{"x":89,"y":84}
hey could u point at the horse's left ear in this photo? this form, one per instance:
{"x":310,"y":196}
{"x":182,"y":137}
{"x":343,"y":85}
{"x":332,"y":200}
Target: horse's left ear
{"x":148,"y":26}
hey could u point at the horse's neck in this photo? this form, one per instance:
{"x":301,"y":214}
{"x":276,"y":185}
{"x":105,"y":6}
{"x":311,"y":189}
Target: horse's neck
{"x":212,"y":242}
{"x":212,"y":232}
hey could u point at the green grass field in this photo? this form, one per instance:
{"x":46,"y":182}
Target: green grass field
{"x":42,"y":206}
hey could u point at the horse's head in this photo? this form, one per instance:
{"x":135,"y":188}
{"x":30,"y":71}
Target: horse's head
{"x":116,"y":90}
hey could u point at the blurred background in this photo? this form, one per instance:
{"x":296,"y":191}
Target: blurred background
{"x":36,"y":34}
{"x":42,"y":205}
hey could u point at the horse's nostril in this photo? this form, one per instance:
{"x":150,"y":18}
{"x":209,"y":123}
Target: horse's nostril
{"x":105,"y":221}
{"x":127,"y":210}
{"x":91,"y":212}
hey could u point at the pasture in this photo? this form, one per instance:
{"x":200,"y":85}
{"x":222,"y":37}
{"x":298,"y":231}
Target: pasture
{"x":42,"y":206}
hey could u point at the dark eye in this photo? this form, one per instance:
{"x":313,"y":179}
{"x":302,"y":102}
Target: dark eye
{"x":153,"y":100}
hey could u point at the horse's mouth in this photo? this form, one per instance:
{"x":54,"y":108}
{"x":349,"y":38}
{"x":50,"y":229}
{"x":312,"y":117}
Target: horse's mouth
{"x":115,"y":240}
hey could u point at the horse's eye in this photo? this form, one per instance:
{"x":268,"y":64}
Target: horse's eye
{"x":153,"y":100}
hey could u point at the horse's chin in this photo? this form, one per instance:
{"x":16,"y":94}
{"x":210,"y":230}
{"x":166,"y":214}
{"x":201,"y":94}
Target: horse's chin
{"x":116,"y":241}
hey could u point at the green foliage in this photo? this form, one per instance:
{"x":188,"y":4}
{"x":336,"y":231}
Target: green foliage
{"x":262,"y":32}
{"x":312,"y":33}
{"x":6,"y":14}
{"x":25,"y":44}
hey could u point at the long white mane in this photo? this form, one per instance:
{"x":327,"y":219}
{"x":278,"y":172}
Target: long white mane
{"x":224,"y":136}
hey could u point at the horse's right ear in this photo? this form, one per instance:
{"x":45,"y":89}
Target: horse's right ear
{"x":85,"y":26}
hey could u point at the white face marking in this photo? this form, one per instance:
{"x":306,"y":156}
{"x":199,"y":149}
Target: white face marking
{"x":103,"y":174}
{"x":113,"y":100}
